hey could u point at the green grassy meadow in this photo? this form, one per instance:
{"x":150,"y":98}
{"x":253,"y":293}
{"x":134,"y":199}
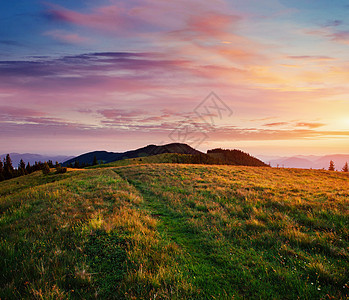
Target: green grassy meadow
{"x":140,"y":230}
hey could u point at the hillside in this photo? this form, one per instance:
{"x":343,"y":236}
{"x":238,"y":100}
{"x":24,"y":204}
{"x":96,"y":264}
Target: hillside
{"x":171,"y":153}
{"x":206,"y":159}
{"x":235,"y":157}
{"x":107,"y":157}
{"x":175,"y":231}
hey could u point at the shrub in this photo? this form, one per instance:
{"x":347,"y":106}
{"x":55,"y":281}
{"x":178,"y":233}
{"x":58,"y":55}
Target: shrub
{"x":60,"y":169}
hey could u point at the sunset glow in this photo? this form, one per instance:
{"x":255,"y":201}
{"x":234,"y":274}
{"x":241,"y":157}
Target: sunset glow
{"x":117,"y":75}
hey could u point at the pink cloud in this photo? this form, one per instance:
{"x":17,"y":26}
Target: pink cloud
{"x":109,"y":19}
{"x":115,"y":113}
{"x":15,"y":113}
{"x":338,"y":36}
{"x":256,"y":134}
{"x":62,"y":36}
{"x":207,"y":25}
{"x":311,"y":57}
{"x":310,"y":125}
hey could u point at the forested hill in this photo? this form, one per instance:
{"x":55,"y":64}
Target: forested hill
{"x":107,"y":157}
{"x":235,"y":157}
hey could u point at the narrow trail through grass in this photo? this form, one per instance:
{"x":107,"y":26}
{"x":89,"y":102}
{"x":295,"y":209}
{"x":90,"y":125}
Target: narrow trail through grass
{"x":200,"y":263}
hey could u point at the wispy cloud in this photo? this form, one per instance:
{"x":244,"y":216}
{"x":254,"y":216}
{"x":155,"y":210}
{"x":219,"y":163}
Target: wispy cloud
{"x":310,"y":124}
{"x":276,"y":124}
{"x":334,"y":23}
{"x":311,"y":57}
{"x":208,"y":25}
{"x":66,"y":37}
{"x":339,"y":36}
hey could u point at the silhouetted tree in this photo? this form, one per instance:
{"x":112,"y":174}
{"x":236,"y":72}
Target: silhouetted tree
{"x":331,"y":167}
{"x":2,"y":177}
{"x":95,"y":162}
{"x":76,"y":164}
{"x":28,"y":168}
{"x":21,"y":168}
{"x":46,"y":169}
{"x":8,"y":168}
{"x":345,"y":168}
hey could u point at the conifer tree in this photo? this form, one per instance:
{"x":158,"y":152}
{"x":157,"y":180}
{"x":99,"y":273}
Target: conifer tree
{"x":8,"y":168}
{"x":331,"y":167}
{"x":28,"y":168}
{"x":50,"y":163}
{"x":21,"y":168}
{"x":1,"y":171}
{"x":345,"y":168}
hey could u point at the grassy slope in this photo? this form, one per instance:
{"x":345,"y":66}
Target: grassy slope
{"x":175,"y":231}
{"x":159,"y":158}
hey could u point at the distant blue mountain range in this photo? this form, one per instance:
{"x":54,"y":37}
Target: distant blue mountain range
{"x":32,"y":158}
{"x":308,"y":161}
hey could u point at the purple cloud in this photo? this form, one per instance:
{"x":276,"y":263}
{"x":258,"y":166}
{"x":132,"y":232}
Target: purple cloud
{"x":311,"y":57}
{"x":334,"y":23}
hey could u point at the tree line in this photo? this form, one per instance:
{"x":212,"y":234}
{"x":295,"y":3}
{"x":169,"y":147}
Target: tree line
{"x":7,"y":171}
{"x":235,"y":157}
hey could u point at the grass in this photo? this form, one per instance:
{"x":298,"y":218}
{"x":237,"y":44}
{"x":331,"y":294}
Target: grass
{"x":159,"y":158}
{"x":138,"y":230}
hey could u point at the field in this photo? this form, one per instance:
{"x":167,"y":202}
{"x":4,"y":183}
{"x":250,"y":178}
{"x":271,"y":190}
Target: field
{"x":175,"y":231}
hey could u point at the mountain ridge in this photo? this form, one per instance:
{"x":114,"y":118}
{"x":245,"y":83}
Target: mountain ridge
{"x":107,"y":157}
{"x":214,"y":156}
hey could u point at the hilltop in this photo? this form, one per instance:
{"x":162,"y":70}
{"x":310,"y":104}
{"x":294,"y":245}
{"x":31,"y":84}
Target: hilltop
{"x":183,"y":154}
{"x":175,"y":231}
{"x":107,"y":157}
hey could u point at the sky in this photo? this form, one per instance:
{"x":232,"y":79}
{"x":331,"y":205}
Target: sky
{"x":269,"y":77}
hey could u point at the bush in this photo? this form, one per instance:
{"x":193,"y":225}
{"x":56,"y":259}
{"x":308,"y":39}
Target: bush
{"x":60,"y":169}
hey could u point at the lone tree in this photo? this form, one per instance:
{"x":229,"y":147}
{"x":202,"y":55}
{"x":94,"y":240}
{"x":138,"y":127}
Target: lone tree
{"x":331,"y":167}
{"x":95,"y":162}
{"x":345,"y":168}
